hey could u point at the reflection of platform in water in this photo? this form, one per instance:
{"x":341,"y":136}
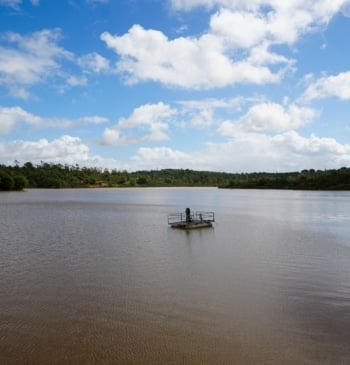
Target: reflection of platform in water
{"x":191,"y":220}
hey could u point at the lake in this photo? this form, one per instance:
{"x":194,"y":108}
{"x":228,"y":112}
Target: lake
{"x":96,"y":276}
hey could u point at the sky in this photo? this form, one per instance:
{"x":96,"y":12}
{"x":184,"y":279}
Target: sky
{"x":215,"y":85}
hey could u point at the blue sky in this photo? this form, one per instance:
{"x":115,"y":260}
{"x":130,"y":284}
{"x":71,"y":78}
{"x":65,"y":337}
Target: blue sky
{"x":221,"y":85}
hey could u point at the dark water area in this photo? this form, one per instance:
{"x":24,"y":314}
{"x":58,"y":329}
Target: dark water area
{"x":97,"y":277}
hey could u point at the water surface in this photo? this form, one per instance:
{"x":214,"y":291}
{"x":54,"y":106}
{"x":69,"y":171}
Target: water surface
{"x":97,"y":277}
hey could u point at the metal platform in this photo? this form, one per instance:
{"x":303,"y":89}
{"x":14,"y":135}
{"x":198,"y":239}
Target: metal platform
{"x":191,"y":220}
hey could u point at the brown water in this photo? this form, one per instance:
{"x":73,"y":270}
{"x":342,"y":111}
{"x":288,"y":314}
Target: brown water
{"x":97,"y":277}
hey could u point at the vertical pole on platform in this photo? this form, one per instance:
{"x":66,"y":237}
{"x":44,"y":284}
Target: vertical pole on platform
{"x":188,"y":215}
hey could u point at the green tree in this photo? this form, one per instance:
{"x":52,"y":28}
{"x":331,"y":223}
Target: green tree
{"x":6,"y":181}
{"x":141,"y":181}
{"x":20,"y":182}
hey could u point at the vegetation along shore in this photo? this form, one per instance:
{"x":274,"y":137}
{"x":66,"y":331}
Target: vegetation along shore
{"x":53,"y":175}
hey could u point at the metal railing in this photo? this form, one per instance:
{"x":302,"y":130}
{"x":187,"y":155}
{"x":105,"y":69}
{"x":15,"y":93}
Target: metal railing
{"x":194,"y":216}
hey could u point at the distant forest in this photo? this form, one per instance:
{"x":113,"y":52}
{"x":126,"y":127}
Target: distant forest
{"x":52,"y":175}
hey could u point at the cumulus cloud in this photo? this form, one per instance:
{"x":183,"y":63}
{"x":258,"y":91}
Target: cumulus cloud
{"x":204,"y":62}
{"x":9,"y":117}
{"x":311,"y":145}
{"x":64,"y":149}
{"x":269,"y":117}
{"x":282,"y":152}
{"x":111,"y":136}
{"x":147,"y":123}
{"x":229,"y":25}
{"x":313,"y":151}
{"x":247,"y":152}
{"x":263,"y":139}
{"x":160,"y":157}
{"x":329,"y":86}
{"x":251,"y":152}
{"x":225,"y":54}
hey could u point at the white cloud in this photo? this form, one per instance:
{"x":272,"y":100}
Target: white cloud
{"x":186,"y":5}
{"x":269,"y":117}
{"x":237,"y":48}
{"x":251,"y":152}
{"x":111,"y":136}
{"x":204,"y":117}
{"x":93,"y":62}
{"x":202,"y":113}
{"x":311,"y":145}
{"x":324,"y":6}
{"x":313,"y":152}
{"x":94,"y":119}
{"x":285,"y":152}
{"x":148,"y":123}
{"x":11,"y":116}
{"x":262,"y":55}
{"x":247,"y":152}
{"x":31,"y":59}
{"x":64,"y":149}
{"x":329,"y":86}
{"x":159,"y":157}
{"x":214,"y":103}
{"x":19,"y":92}
{"x":28,"y":60}
{"x":76,"y":80}
{"x":229,"y":25}
{"x":271,"y":21}
{"x":147,"y":114}
{"x":204,"y":62}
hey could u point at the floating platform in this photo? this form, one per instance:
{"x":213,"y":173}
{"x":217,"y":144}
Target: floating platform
{"x":191,"y":220}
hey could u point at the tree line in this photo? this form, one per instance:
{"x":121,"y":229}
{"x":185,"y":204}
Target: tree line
{"x":55,"y":175}
{"x":333,"y":179}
